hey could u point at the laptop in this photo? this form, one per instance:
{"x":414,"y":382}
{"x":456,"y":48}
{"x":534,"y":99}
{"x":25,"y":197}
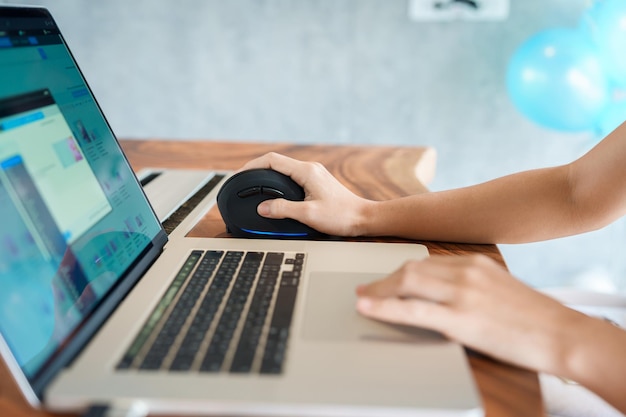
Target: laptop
{"x":100,"y":310}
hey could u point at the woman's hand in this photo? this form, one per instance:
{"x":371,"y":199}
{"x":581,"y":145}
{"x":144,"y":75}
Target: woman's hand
{"x":474,"y":301}
{"x":328,"y":206}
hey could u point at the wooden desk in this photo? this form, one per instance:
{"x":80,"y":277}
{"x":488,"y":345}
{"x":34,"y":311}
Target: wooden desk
{"x":371,"y":171}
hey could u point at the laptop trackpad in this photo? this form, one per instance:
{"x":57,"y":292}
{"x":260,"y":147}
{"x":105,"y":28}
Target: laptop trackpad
{"x":331,"y":313}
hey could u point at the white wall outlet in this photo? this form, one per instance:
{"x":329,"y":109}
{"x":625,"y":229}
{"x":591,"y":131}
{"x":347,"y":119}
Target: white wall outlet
{"x":449,"y":10}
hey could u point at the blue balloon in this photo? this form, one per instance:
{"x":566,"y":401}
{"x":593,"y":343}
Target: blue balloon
{"x":588,"y":21}
{"x":605,"y":21}
{"x":556,"y":80}
{"x":611,"y":118}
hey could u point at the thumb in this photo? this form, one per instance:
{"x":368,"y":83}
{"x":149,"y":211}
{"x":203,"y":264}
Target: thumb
{"x":277,"y":208}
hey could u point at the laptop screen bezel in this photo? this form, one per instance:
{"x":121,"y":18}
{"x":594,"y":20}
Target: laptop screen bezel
{"x":33,"y":387}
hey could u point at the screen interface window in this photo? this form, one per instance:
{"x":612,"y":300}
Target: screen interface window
{"x":73,"y":217}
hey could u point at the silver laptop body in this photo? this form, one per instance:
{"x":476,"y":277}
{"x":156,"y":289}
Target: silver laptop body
{"x":99,"y":308}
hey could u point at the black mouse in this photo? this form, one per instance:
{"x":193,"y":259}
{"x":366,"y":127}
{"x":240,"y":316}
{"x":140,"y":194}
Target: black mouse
{"x":240,"y":195}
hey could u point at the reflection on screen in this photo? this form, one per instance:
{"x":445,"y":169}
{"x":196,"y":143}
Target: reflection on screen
{"x":73,"y":216}
{"x":41,"y":138}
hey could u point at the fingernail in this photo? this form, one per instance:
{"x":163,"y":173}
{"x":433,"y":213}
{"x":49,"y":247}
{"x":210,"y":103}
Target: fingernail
{"x":263,"y":209}
{"x":363,"y":304}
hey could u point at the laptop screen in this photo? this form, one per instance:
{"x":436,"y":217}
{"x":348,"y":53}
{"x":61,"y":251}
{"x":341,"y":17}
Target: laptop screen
{"x":74,"y":219}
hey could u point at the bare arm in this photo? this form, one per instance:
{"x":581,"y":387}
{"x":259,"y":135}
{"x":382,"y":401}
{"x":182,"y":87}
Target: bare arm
{"x":534,"y":205}
{"x":528,"y":206}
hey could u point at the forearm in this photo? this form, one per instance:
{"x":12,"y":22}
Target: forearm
{"x":528,"y":206}
{"x":597,"y":361}
{"x":584,"y":195}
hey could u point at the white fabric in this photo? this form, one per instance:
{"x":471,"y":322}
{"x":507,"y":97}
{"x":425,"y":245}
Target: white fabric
{"x":569,"y":400}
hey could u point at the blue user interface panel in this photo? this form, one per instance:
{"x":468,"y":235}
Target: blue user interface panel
{"x":73,"y":217}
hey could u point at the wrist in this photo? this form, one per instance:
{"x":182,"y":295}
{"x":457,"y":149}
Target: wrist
{"x":596,"y":341}
{"x":363,"y":218}
{"x":368,"y":219}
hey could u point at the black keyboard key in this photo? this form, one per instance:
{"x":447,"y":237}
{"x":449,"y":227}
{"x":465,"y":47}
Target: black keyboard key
{"x":179,"y":315}
{"x":276,"y":345}
{"x":207,"y":310}
{"x":274,"y":258}
{"x":231,"y":314}
{"x":283,"y":309}
{"x":157,"y":313}
{"x":275,"y":349}
{"x":257,"y":314}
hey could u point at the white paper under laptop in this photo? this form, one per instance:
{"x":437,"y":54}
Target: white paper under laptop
{"x":97,"y":307}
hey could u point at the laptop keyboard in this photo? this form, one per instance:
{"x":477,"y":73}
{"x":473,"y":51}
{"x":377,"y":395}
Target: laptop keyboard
{"x":225,"y":311}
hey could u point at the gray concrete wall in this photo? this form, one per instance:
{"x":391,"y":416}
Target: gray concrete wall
{"x":338,"y":71}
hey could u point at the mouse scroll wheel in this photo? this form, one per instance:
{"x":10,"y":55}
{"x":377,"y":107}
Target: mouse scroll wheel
{"x":249,"y":192}
{"x":272,"y":192}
